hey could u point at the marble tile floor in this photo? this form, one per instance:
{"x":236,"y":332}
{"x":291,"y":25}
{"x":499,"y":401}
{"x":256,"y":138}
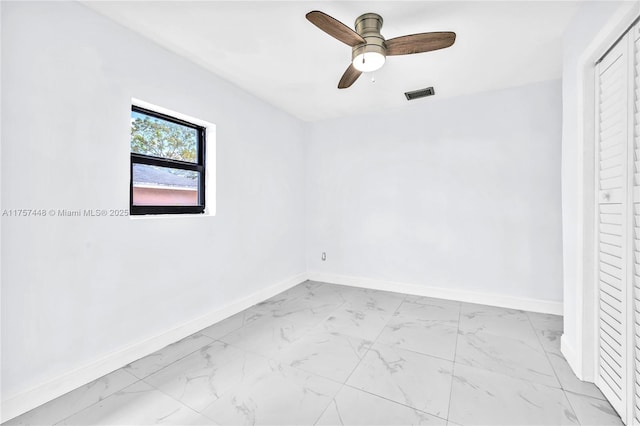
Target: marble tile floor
{"x":323,"y":354}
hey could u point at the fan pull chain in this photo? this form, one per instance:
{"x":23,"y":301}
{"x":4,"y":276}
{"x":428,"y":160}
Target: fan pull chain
{"x":373,"y":78}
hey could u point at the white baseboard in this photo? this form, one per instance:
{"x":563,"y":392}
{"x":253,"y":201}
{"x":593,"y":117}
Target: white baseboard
{"x":504,"y":301}
{"x":21,"y":403}
{"x":571,"y":356}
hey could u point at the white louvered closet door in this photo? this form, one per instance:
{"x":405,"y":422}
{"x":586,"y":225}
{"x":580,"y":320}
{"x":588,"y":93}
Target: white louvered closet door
{"x":634,"y":130}
{"x":613,"y":228}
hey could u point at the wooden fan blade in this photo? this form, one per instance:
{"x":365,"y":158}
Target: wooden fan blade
{"x":349,"y":77}
{"x":418,"y":43}
{"x":334,"y":28}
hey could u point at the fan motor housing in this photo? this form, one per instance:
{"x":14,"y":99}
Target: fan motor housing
{"x":369,"y":22}
{"x":368,"y":26}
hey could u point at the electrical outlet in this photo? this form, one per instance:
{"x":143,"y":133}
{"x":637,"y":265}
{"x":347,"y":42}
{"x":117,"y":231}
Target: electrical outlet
{"x":324,"y":256}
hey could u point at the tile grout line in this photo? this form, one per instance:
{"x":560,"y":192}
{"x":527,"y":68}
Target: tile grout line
{"x":306,"y":333}
{"x":404,"y":299}
{"x":546,"y":354}
{"x":201,"y":412}
{"x":211,"y":340}
{"x":528,"y":343}
{"x":361,"y":358}
{"x":329,"y":404}
{"x":564,"y":391}
{"x":374,"y":341}
{"x":416,"y":352}
{"x":219,"y":340}
{"x":393,"y":401}
{"x":180,"y":402}
{"x":441,"y":323}
{"x":99,"y":400}
{"x":149,"y":384}
{"x":453,"y":365}
{"x":138,"y":379}
{"x":342,"y":385}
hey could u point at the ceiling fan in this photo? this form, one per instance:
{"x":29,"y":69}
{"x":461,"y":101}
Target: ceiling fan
{"x":369,"y":49}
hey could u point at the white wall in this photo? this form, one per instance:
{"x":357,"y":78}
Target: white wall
{"x":77,"y":289}
{"x":460,"y":194}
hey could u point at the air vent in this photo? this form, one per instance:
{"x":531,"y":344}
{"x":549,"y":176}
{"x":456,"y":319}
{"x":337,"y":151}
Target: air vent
{"x":419,"y":93}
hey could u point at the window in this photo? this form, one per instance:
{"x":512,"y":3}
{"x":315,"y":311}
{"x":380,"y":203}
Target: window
{"x":167,"y":164}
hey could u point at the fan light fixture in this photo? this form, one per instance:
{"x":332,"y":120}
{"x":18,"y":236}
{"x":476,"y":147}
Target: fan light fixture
{"x":368,"y":61}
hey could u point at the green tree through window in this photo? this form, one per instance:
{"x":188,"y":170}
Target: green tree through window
{"x":164,"y":139}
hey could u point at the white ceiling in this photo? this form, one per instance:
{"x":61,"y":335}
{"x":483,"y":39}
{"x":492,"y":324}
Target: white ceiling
{"x":269,"y":49}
